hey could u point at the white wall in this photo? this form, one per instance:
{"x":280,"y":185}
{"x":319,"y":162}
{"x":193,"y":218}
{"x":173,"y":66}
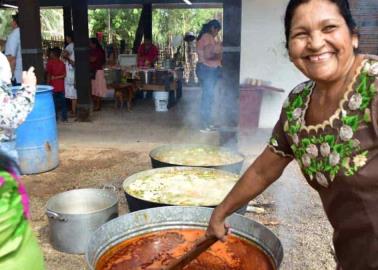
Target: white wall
{"x":264,"y":56}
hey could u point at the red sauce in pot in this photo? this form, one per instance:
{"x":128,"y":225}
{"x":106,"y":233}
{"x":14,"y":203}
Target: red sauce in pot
{"x":154,"y":250}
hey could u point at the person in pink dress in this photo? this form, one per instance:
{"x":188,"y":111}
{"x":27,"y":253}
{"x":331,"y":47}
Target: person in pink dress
{"x":97,"y":61}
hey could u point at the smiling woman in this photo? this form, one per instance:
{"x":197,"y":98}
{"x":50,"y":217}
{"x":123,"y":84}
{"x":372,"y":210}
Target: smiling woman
{"x":329,"y":125}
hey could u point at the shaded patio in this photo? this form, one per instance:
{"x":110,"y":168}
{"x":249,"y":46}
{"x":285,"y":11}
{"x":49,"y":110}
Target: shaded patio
{"x":116,"y":145}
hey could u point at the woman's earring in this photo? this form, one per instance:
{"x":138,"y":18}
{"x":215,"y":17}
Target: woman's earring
{"x":355,"y":44}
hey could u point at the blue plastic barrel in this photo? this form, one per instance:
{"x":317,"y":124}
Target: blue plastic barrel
{"x":37,"y":137}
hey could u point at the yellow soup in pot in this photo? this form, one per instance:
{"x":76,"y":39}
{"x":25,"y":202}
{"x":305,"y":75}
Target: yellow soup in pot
{"x":182,"y":186}
{"x":197,"y":156}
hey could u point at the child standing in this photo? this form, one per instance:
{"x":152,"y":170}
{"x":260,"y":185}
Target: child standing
{"x":56,"y":72}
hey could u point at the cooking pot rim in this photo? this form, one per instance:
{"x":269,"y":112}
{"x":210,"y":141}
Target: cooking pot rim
{"x":153,"y":219}
{"x":154,"y":151}
{"x":134,"y":177}
{"x":112,"y":194}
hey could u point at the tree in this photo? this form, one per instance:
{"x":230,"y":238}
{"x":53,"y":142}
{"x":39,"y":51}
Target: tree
{"x":51,"y":22}
{"x":166,"y":22}
{"x":172,"y":22}
{"x":5,"y":19}
{"x":123,"y":23}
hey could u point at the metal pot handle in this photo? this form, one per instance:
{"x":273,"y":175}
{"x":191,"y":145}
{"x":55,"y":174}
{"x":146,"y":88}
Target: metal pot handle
{"x":109,"y":187}
{"x":55,"y":215}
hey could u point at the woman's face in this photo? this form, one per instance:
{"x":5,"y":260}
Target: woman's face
{"x":214,"y":31}
{"x":68,"y":39}
{"x":320,"y":43}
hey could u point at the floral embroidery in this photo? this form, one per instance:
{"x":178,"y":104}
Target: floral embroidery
{"x":371,"y":69}
{"x":274,"y":142}
{"x":355,"y":102}
{"x":325,"y":149}
{"x":14,"y":109}
{"x":322,"y":157}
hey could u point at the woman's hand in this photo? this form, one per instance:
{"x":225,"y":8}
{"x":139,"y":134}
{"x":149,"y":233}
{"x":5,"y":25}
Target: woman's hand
{"x":217,"y":226}
{"x":28,"y":77}
{"x":263,"y":172}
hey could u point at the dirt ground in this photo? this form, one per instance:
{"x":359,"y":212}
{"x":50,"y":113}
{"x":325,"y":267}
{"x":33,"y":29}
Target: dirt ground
{"x":290,"y":208}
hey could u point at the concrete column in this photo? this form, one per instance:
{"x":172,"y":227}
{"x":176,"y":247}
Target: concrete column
{"x":80,"y":33}
{"x":31,"y":40}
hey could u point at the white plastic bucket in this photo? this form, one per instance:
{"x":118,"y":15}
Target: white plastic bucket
{"x":161,"y":101}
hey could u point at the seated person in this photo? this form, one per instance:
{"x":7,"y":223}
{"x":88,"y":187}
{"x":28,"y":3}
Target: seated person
{"x":147,"y":54}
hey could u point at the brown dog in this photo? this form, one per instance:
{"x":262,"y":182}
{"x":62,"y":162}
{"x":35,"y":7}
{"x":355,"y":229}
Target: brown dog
{"x":124,"y":93}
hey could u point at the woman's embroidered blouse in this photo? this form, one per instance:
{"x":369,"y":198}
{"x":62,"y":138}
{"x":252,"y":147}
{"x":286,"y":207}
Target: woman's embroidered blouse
{"x":339,"y":158}
{"x":13,"y":109}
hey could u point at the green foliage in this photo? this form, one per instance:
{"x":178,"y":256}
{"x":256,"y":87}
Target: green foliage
{"x":5,"y":19}
{"x":123,"y":23}
{"x":52,"y":23}
{"x":168,"y":23}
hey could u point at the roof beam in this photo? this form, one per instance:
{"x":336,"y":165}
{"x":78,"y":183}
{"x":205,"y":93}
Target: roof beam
{"x":107,"y":3}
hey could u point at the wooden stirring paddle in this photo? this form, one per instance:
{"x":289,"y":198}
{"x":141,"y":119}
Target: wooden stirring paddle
{"x":200,"y":246}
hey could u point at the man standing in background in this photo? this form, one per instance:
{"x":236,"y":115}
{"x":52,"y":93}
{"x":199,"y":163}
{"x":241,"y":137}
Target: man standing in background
{"x":13,"y":51}
{"x":148,"y":54}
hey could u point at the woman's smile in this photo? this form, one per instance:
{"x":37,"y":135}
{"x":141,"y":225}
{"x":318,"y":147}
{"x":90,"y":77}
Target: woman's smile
{"x":320,"y":58}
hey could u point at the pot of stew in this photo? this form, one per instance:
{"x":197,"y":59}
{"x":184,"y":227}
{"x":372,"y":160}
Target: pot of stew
{"x":151,"y":238}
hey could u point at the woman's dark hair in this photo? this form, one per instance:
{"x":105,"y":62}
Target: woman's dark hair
{"x":15,"y":18}
{"x":343,"y":6}
{"x":95,"y":42}
{"x":8,"y":164}
{"x":206,"y":28}
{"x":56,"y":51}
{"x":70,"y":35}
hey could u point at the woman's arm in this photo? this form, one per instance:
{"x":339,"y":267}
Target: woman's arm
{"x":266,"y":169}
{"x":58,"y":77}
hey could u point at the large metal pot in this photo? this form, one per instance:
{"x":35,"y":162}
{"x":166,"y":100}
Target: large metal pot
{"x":162,"y":218}
{"x":74,"y":215}
{"x":234,"y":167}
{"x":136,"y":204}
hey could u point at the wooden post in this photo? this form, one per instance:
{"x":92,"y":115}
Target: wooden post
{"x":67,"y":21}
{"x":31,"y":39}
{"x":144,"y":26}
{"x":82,"y":78}
{"x":147,"y":21}
{"x":231,"y":71}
